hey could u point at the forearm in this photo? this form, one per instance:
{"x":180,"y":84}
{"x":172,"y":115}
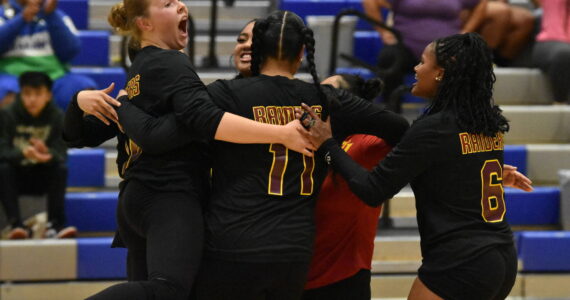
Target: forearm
{"x":84,"y":131}
{"x":476,"y":17}
{"x":9,"y":31}
{"x":236,"y":129}
{"x":153,"y":135}
{"x":372,"y":8}
{"x":64,"y":40}
{"x":360,"y":180}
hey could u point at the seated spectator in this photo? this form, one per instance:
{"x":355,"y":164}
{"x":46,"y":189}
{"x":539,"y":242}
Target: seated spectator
{"x":33,"y":155}
{"x":507,"y":29}
{"x":419,"y":22}
{"x":551,"y":51}
{"x":36,"y":36}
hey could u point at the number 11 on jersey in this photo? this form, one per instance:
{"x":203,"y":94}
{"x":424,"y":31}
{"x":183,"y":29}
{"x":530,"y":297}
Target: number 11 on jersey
{"x":278,"y":167}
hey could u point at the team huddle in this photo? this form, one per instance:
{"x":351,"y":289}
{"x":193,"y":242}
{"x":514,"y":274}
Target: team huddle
{"x":240,"y":189}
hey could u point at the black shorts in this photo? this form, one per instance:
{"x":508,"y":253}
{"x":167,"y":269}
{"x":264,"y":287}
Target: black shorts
{"x":490,"y":276}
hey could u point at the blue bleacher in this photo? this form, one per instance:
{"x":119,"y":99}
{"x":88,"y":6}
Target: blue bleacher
{"x":97,"y":260}
{"x":86,"y":168}
{"x":544,"y":251}
{"x":92,"y":212}
{"x":104,"y":76}
{"x":540,"y":207}
{"x":77,"y":10}
{"x":94,"y":49}
{"x":516,"y":155}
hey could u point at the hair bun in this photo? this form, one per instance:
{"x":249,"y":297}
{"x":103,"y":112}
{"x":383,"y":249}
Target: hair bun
{"x":118,"y":18}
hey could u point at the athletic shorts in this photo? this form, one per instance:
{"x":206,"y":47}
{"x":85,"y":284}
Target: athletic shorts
{"x":489,"y":276}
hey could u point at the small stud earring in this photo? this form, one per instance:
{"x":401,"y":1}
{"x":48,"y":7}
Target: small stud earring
{"x":438,"y":78}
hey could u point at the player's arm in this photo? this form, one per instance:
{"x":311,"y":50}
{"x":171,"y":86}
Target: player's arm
{"x":409,"y":158}
{"x":154,"y":135}
{"x":357,"y":115}
{"x":194,"y":108}
{"x":85,"y":131}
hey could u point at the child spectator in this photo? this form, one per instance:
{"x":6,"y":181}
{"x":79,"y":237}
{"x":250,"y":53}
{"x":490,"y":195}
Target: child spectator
{"x":36,"y":36}
{"x":33,"y":155}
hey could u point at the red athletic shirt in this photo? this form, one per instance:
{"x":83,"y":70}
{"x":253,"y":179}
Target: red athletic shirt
{"x":345,"y":226}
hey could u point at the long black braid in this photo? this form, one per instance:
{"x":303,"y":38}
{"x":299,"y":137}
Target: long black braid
{"x":281,"y":36}
{"x":467,"y":84}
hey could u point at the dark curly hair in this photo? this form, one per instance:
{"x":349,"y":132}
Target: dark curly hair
{"x":282,"y":35}
{"x":467,"y":84}
{"x":366,"y":89}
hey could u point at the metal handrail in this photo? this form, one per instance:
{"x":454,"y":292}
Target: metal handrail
{"x":361,"y":15}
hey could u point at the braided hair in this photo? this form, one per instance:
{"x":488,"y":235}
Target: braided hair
{"x":281,"y":36}
{"x":467,"y":84}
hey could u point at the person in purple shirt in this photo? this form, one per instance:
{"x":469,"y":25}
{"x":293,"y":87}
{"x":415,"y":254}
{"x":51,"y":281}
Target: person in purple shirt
{"x":419,"y":22}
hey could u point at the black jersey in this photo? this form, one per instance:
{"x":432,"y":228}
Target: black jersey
{"x":456,"y":178}
{"x":87,"y":131}
{"x":161,"y":82}
{"x":263,"y":195}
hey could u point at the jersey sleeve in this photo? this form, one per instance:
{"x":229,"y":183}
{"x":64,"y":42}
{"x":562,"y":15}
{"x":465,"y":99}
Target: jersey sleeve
{"x":356,"y":115}
{"x":191,"y":101}
{"x":85,"y":131}
{"x":155,"y":135}
{"x":415,"y":153}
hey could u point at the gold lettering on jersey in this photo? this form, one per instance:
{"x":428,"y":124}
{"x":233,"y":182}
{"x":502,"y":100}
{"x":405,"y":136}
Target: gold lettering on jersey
{"x":279,"y":115}
{"x":475,"y":143}
{"x":133,"y":86}
{"x":346,"y":145}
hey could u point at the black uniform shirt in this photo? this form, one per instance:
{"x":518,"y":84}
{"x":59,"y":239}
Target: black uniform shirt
{"x":263,"y":195}
{"x":161,"y":82}
{"x":456,"y":178}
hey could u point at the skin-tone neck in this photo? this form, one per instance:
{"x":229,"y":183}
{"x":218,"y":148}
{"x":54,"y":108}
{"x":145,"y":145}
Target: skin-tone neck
{"x":274,"y":67}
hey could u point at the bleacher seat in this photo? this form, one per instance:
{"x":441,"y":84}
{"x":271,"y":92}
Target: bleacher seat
{"x":97,"y":260}
{"x":545,"y":251}
{"x":516,"y":155}
{"x":91,"y":212}
{"x":540,"y":207}
{"x":104,"y":76}
{"x":86,"y":168}
{"x":77,"y":10}
{"x":94,"y":49}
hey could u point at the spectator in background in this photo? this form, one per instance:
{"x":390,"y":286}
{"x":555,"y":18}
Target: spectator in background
{"x":507,"y":29}
{"x":551,"y":51}
{"x":419,"y":22}
{"x":36,"y":36}
{"x":33,"y":155}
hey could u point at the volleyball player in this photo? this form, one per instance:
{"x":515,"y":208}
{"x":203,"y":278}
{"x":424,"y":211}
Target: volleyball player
{"x":345,"y":226}
{"x":453,"y":158}
{"x":159,"y":212}
{"x":260,"y":216}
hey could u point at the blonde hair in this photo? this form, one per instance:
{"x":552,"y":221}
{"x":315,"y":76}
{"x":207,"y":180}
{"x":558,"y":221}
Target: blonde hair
{"x":123,"y":17}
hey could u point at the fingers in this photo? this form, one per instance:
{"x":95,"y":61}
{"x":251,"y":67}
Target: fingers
{"x":99,"y":116}
{"x":309,"y":110}
{"x":308,"y":153}
{"x":109,"y":89}
{"x":509,"y":168}
{"x":111,"y":100}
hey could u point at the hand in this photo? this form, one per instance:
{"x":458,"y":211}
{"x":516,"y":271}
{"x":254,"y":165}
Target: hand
{"x":122,"y":92}
{"x":332,"y":80}
{"x":98,"y":103}
{"x":39,"y":145}
{"x":50,"y":6}
{"x":515,"y":179}
{"x":388,"y":38}
{"x":294,"y":139}
{"x":319,"y":131}
{"x":34,"y":155}
{"x":31,"y":9}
